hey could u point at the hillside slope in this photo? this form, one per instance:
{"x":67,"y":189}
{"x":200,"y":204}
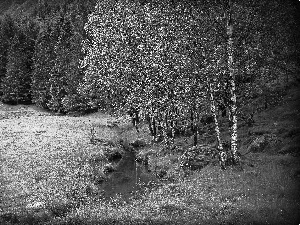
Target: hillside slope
{"x":283,"y":122}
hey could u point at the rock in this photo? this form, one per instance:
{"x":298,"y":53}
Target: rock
{"x":36,"y":205}
{"x":258,"y":145}
{"x":263,"y":142}
{"x":39,"y":213}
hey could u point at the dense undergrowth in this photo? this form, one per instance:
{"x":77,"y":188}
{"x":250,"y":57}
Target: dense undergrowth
{"x":51,"y":172}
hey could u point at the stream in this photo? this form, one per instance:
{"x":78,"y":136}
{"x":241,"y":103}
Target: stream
{"x":128,"y":177}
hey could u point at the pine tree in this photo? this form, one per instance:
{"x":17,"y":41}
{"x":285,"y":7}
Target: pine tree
{"x":43,"y":63}
{"x":66,"y":73}
{"x":16,"y":84}
{"x":61,"y":62}
{"x":57,"y":58}
{"x":7,"y":32}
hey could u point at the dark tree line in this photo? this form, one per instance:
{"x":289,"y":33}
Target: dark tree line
{"x":40,"y":53}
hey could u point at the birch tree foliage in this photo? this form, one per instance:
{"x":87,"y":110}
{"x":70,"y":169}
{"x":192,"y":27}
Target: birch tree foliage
{"x":107,"y":63}
{"x":140,"y":51}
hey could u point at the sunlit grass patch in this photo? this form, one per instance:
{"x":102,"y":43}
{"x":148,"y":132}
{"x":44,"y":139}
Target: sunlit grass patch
{"x":45,"y":167}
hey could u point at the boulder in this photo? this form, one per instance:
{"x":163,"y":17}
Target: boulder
{"x":263,"y":142}
{"x":36,"y":205}
{"x":257,"y":145}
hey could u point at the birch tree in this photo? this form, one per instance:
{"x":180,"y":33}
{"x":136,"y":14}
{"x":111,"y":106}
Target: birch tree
{"x":233,"y":108}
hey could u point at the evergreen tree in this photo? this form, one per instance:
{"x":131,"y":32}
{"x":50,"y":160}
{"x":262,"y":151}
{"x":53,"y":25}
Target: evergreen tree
{"x":66,"y":73}
{"x":16,"y":84}
{"x":7,"y":32}
{"x":57,"y":58}
{"x":44,"y":57}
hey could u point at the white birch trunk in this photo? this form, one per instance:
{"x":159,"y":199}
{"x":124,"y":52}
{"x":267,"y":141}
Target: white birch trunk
{"x":222,"y":153}
{"x":233,"y":108}
{"x":164,"y":129}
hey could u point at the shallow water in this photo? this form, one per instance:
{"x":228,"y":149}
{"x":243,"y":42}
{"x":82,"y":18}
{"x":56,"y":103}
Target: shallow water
{"x":127,"y":178}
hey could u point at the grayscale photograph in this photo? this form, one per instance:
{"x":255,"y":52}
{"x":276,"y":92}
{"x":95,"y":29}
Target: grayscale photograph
{"x":149,"y":112}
